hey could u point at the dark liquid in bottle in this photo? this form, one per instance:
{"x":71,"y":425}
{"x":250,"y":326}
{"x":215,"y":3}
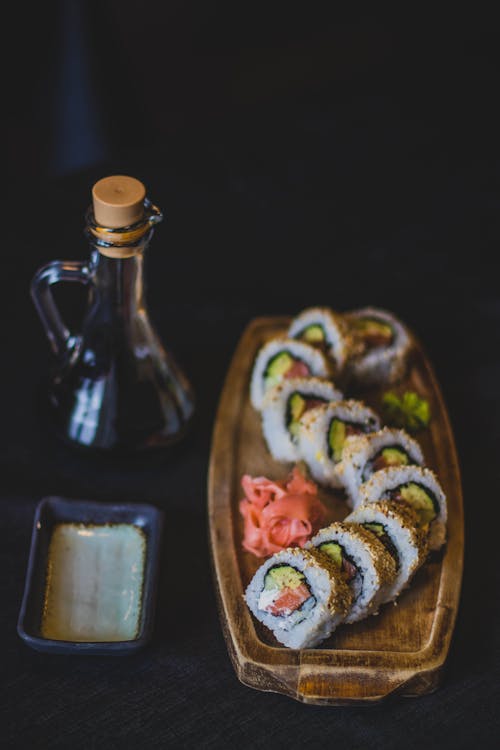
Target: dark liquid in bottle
{"x":120,"y":390}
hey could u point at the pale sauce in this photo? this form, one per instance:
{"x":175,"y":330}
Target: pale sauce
{"x":94,"y":583}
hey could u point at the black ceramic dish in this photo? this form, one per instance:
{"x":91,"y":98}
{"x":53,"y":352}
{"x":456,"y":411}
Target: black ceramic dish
{"x":56,"y":510}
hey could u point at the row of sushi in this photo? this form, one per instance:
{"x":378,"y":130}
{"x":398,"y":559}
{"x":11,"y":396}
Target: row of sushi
{"x":364,"y":347}
{"x":373,"y":465}
{"x":342,"y":575}
{"x":399,"y":510}
{"x":305,"y":418}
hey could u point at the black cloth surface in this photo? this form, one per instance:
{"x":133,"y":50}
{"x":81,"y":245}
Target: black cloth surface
{"x":181,"y":691}
{"x":359,"y":198}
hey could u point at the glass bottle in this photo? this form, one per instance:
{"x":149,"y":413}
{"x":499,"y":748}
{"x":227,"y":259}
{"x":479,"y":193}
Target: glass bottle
{"x":113,"y":386}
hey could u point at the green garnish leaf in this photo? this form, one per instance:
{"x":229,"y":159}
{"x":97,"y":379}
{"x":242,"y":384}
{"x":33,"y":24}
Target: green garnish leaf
{"x":408,"y":411}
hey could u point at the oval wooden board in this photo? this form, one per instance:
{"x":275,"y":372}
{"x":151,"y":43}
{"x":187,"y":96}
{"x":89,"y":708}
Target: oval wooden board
{"x":403,"y":649}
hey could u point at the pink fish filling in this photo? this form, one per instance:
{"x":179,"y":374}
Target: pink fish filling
{"x":298,"y":369}
{"x":289,"y":600}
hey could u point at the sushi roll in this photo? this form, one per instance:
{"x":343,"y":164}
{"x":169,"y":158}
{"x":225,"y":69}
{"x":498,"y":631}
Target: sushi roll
{"x":300,"y":596}
{"x":366,"y":564}
{"x":283,"y":407}
{"x":366,"y":454}
{"x":381,"y":345}
{"x":321,"y":327}
{"x":416,"y":487}
{"x":395,"y":526}
{"x":322,"y":434}
{"x":283,"y":358}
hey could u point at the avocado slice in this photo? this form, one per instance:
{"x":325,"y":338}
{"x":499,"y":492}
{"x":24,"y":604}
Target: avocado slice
{"x":391,"y":456}
{"x":299,"y":403}
{"x":283,"y":576}
{"x":333,"y":550}
{"x":420,"y":500}
{"x":376,"y":528}
{"x":395,"y":456}
{"x":313,"y":334}
{"x":374,"y":332}
{"x":296,"y":408}
{"x":381,"y":532}
{"x":336,"y":438}
{"x":277,"y":367}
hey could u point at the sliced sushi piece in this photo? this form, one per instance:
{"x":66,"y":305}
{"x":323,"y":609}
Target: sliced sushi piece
{"x":283,"y":407}
{"x":283,"y":358}
{"x":323,"y":432}
{"x":326,"y":330}
{"x":366,"y":454}
{"x":300,"y":596}
{"x":381,"y":345}
{"x":416,"y":487}
{"x":394,"y":524}
{"x":366,"y":564}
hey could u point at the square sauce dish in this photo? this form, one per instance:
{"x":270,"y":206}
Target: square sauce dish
{"x":92,"y":577}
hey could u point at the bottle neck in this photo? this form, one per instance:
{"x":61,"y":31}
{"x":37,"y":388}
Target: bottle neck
{"x":118,"y":263}
{"x":120,"y":282}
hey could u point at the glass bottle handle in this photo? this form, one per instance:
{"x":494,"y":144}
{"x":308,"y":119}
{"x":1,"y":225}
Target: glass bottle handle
{"x":61,"y":340}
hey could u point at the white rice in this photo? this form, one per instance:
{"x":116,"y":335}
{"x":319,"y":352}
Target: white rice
{"x":381,"y":365}
{"x":376,"y":568}
{"x":359,"y":452}
{"x":383,"y":482}
{"x":310,"y":625}
{"x":280,"y":441}
{"x":399,"y":524}
{"x":312,"y":437}
{"x":337,"y":339}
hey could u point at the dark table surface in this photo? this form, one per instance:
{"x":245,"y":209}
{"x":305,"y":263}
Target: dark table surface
{"x":264,"y":218}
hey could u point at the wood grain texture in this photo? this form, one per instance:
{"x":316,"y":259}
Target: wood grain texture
{"x":400,"y":651}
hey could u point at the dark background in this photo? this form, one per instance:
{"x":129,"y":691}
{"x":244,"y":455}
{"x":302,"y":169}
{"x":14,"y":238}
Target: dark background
{"x":299,"y":161}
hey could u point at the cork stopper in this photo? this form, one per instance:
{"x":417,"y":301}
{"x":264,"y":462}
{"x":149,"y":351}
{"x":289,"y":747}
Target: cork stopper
{"x":118,"y":201}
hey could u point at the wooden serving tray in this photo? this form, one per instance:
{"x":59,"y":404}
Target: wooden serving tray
{"x":402,"y":650}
